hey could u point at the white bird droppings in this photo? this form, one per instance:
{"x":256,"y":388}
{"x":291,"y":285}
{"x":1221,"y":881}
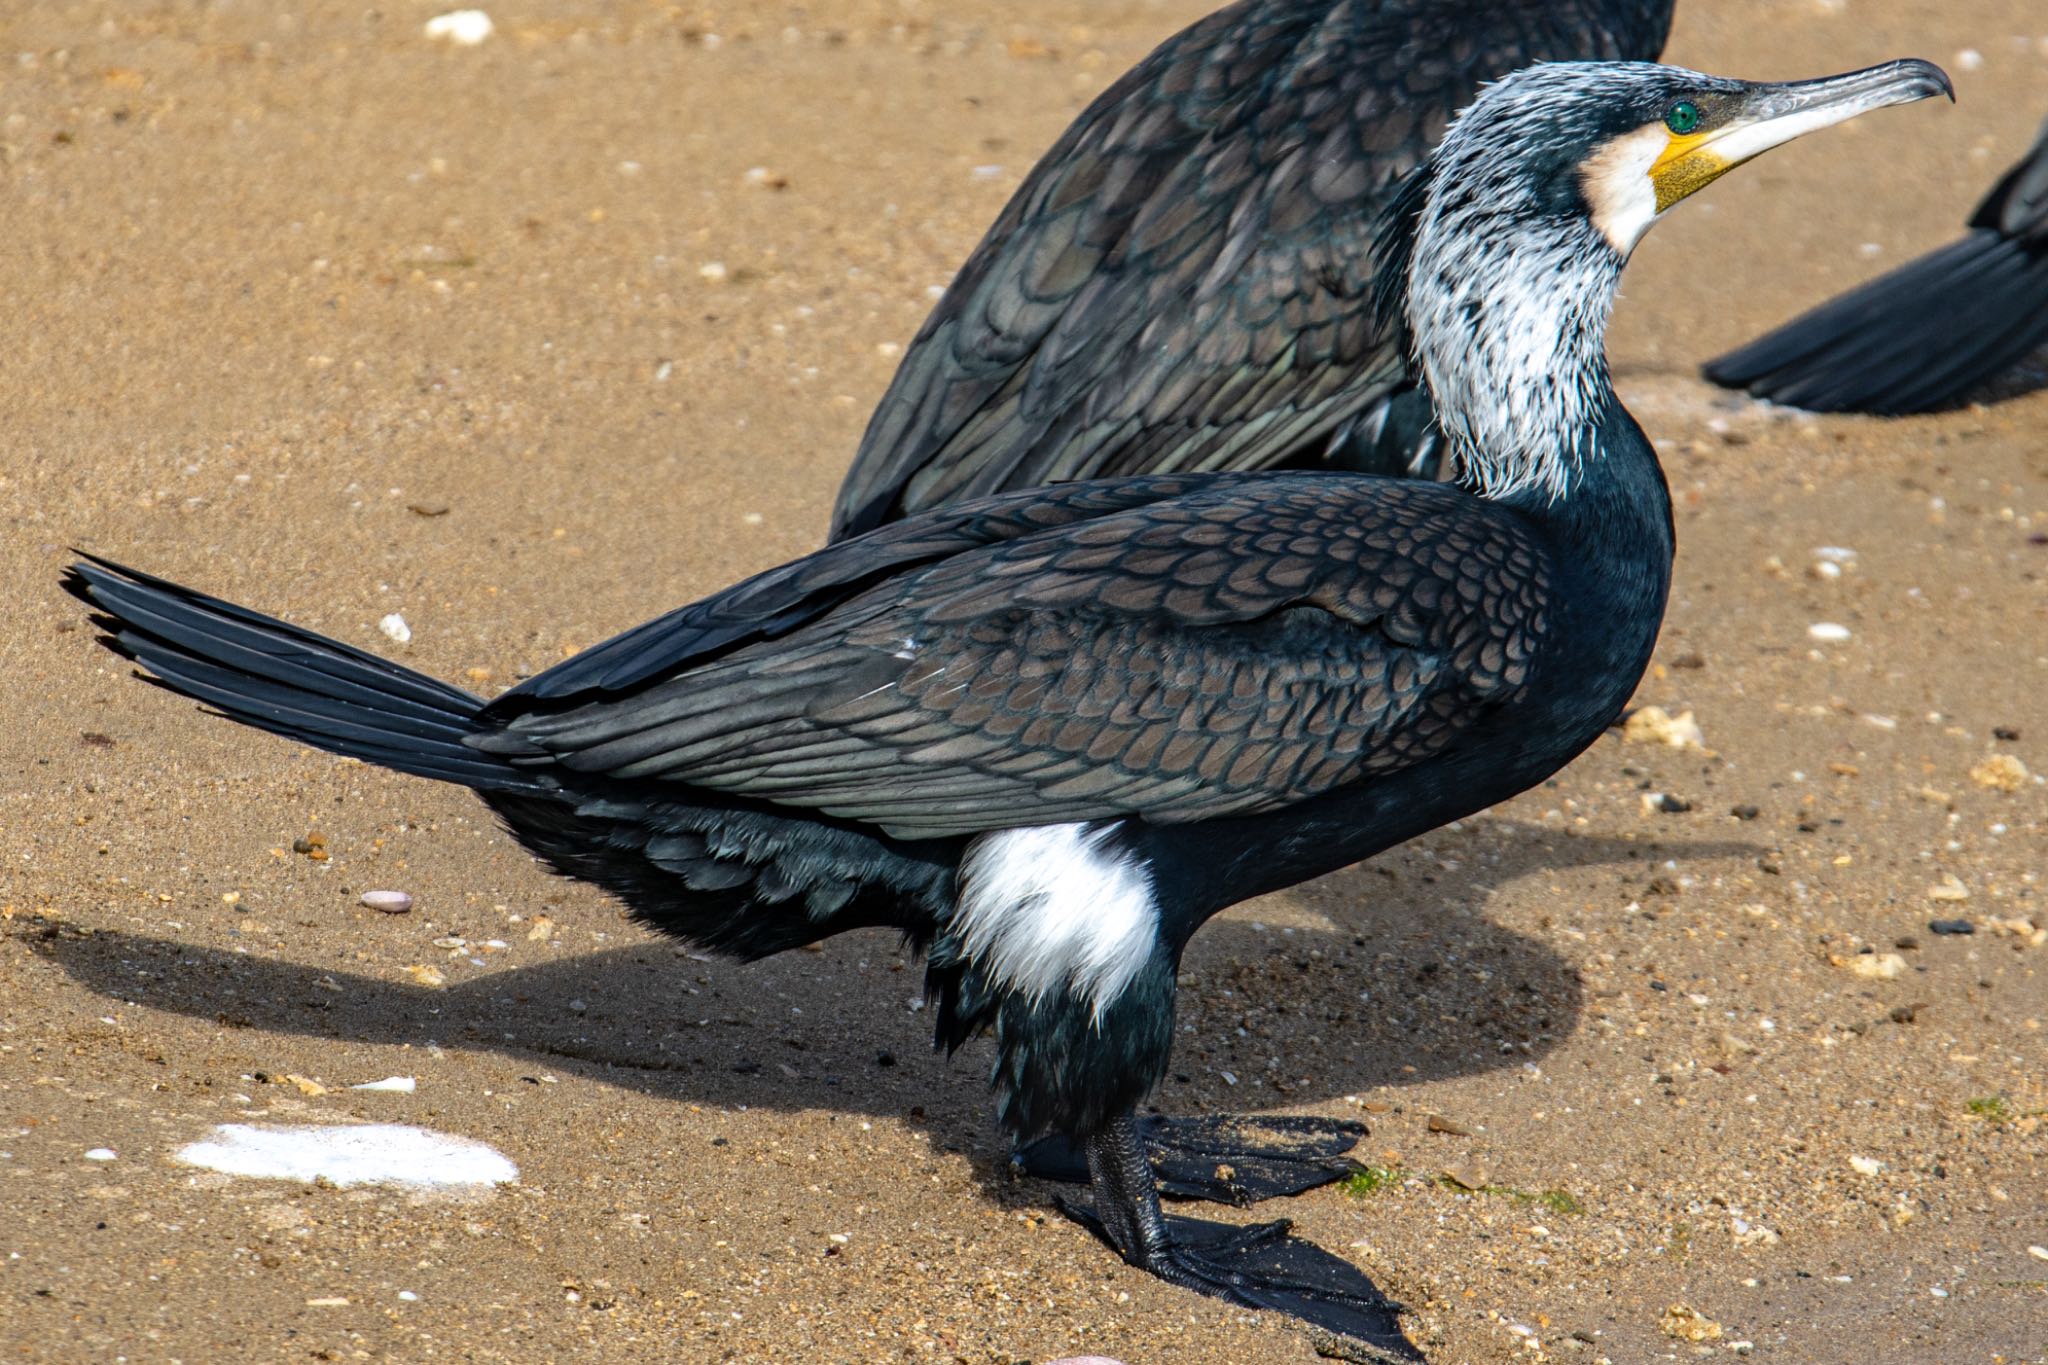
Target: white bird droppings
{"x":464,"y":27}
{"x":350,"y":1154}
{"x":394,"y":626}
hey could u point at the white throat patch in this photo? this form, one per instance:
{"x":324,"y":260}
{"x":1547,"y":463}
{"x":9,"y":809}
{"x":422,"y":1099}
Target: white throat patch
{"x":1618,"y":187}
{"x":1049,"y":908}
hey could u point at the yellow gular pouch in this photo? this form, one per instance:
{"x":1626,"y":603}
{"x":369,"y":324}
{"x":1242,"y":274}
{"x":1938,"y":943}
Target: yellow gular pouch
{"x":1687,"y":163}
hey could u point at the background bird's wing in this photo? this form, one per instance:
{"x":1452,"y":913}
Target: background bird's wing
{"x":1232,"y":651}
{"x":1927,"y":334}
{"x":1184,"y":280}
{"x":2017,"y":206}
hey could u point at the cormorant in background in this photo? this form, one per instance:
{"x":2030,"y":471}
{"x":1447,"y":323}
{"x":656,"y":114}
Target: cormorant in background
{"x":1049,"y":733}
{"x":1922,"y":336}
{"x":1183,"y":282}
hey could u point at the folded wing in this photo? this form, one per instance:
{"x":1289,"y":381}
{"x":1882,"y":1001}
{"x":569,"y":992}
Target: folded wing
{"x":1231,"y":651}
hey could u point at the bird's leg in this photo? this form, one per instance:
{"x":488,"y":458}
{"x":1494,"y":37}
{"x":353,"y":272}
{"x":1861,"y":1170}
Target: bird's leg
{"x":1230,"y":1159}
{"x":1256,"y":1266}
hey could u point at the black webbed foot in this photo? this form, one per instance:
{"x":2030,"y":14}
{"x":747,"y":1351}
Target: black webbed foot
{"x":1227,"y":1159}
{"x":1259,"y":1266}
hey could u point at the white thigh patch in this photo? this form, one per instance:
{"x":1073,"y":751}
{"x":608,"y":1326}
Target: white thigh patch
{"x":1049,"y":907}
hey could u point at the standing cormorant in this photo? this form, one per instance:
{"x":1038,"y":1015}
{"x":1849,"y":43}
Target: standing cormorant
{"x":1925,"y":335}
{"x":1049,"y":733}
{"x":1184,"y":281}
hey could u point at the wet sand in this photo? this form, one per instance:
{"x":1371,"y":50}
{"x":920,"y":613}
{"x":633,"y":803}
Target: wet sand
{"x":509,"y":340}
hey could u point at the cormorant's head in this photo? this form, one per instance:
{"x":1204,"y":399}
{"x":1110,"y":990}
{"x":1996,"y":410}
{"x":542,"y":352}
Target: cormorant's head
{"x":1621,"y":142}
{"x":1504,"y":252}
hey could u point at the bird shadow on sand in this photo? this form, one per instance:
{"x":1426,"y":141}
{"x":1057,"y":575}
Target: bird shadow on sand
{"x":2028,"y":375}
{"x":1408,"y":983}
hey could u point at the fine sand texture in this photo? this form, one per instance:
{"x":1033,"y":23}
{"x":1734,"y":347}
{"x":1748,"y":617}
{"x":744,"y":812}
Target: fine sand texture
{"x":525,"y":341}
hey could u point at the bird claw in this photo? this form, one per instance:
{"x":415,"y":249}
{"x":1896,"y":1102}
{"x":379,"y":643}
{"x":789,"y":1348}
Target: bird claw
{"x":1226,"y":1159}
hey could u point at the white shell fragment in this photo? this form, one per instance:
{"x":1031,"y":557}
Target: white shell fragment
{"x":350,"y":1154}
{"x":465,"y":27}
{"x":390,"y":902}
{"x":396,"y":1085}
{"x":1828,"y":632}
{"x":394,"y":626}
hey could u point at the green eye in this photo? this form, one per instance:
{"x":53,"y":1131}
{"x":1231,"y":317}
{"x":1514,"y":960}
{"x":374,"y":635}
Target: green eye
{"x":1683,"y":118}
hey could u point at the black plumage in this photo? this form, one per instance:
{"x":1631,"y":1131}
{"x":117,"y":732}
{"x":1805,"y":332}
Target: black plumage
{"x":1928,"y":334}
{"x":1183,"y":281}
{"x":1049,"y":733}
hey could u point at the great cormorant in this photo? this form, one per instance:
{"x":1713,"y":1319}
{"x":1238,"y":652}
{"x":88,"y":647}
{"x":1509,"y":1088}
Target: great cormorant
{"x":1049,"y":733}
{"x":1184,"y":281}
{"x":1927,"y":334}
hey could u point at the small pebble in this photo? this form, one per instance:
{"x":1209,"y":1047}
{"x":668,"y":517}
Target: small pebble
{"x":1828,"y":632}
{"x":2000,"y":772}
{"x":397,"y":1085}
{"x":2025,"y":930}
{"x":1685,"y":1323}
{"x":1878,"y":966}
{"x":2038,"y":1253}
{"x":100,"y":1154}
{"x":1864,"y":1165}
{"x":390,"y":902}
{"x":1655,"y":725}
{"x":394,"y":626}
{"x":1951,"y":926}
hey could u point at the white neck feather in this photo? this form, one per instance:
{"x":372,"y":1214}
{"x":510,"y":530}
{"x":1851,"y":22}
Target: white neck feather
{"x":1509,"y":289}
{"x":1509,"y":315}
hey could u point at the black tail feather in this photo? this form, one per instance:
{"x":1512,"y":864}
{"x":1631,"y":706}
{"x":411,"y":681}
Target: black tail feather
{"x":292,"y":682}
{"x":1918,"y":338}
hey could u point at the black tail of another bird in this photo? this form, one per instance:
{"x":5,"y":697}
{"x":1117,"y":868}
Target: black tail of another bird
{"x":1918,"y":338}
{"x":292,"y":682}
